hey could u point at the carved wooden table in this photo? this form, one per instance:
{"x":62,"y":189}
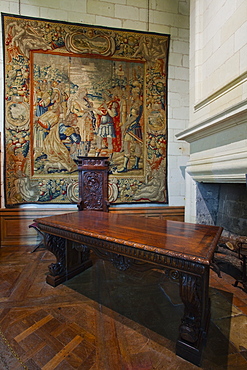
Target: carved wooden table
{"x":187,"y":249}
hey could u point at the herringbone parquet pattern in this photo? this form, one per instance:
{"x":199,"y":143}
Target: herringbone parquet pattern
{"x":102,"y":319}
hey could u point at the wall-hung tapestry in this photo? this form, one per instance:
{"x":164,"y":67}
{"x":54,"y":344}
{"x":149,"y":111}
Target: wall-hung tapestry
{"x":75,"y":90}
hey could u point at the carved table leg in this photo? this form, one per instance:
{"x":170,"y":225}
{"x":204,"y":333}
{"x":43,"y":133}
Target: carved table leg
{"x":72,"y":258}
{"x":78,"y":258}
{"x":194,"y":325}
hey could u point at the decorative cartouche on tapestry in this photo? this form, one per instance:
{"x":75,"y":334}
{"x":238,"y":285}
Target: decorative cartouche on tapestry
{"x":77,"y":90}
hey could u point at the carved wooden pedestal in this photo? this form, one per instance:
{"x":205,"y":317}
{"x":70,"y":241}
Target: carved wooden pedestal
{"x":93,"y":183}
{"x":72,"y":257}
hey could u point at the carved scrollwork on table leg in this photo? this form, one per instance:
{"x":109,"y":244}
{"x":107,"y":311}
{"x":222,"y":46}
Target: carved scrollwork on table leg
{"x":190,"y":292}
{"x":56,"y":245}
{"x":174,"y":275}
{"x":122,"y":263}
{"x":195,"y":321}
{"x":83,"y":249}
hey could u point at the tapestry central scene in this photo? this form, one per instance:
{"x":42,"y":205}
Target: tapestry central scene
{"x":74,"y":90}
{"x":86,"y":108}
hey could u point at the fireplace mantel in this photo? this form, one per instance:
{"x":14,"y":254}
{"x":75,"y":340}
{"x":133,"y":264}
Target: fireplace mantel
{"x":218,"y":147}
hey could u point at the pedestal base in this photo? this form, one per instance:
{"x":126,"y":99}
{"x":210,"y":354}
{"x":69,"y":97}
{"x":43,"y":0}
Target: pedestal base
{"x":189,"y":352}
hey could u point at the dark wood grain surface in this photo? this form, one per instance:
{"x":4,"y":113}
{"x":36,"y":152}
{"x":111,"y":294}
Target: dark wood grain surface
{"x":178,"y":239}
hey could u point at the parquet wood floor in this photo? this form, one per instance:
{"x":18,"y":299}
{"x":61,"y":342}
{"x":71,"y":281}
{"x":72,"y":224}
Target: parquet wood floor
{"x":104,"y":319}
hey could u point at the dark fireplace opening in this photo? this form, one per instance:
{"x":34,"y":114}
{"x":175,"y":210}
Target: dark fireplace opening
{"x":225,"y":205}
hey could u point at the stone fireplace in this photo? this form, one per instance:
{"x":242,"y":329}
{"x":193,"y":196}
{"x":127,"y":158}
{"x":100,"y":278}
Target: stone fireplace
{"x":216,"y":188}
{"x":224,"y":205}
{"x":217,"y":132}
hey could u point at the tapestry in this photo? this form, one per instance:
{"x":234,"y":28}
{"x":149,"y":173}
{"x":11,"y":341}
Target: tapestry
{"x":77,"y":90}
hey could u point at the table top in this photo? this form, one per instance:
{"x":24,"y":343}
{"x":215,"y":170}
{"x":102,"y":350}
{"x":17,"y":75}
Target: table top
{"x":188,"y":241}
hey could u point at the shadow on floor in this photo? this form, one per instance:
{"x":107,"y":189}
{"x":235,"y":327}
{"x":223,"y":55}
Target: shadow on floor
{"x":152,"y":301}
